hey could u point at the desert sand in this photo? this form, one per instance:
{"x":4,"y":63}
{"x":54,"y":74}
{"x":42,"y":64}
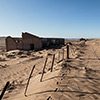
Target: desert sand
{"x":77,"y":78}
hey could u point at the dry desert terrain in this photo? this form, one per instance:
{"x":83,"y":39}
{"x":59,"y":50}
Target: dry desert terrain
{"x":77,"y":78}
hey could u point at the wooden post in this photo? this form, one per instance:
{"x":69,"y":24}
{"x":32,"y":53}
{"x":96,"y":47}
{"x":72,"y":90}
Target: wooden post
{"x":44,"y":69}
{"x":29,"y":80}
{"x":67,"y":51}
{"x":59,"y":56}
{"x":63,"y":55}
{"x":4,"y":89}
{"x":52,"y":62}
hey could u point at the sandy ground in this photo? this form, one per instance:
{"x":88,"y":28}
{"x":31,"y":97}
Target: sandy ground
{"x":77,"y":78}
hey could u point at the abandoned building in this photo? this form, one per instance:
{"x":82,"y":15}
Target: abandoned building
{"x":46,"y":42}
{"x":31,"y":42}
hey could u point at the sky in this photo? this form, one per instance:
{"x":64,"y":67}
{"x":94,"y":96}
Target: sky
{"x":50,"y":18}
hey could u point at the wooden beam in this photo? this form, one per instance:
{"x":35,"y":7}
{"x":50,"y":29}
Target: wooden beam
{"x":29,"y":80}
{"x":67,"y":51}
{"x":44,"y":68}
{"x":4,"y":90}
{"x":52,"y":62}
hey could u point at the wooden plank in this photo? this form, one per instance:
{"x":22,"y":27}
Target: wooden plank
{"x":4,"y":90}
{"x":63,"y":54}
{"x":52,"y":62}
{"x":67,"y":51}
{"x":44,"y":68}
{"x":29,"y":80}
{"x":58,"y":56}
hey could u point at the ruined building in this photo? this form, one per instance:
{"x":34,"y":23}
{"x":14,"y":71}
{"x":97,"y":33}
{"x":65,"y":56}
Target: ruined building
{"x":31,"y":42}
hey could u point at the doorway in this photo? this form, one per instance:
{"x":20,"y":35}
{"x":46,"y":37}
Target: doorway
{"x":31,"y":46}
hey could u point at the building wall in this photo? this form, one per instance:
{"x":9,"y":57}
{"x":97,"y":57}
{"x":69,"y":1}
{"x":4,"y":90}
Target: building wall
{"x":19,"y":43}
{"x":10,"y":44}
{"x":23,"y":43}
{"x":31,"y":39}
{"x":31,"y":42}
{"x":13,"y":43}
{"x":52,"y":41}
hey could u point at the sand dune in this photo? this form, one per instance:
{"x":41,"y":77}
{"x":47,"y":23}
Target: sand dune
{"x":77,"y":78}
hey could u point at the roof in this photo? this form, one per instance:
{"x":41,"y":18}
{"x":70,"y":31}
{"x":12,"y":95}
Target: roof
{"x":52,"y":38}
{"x":29,"y":34}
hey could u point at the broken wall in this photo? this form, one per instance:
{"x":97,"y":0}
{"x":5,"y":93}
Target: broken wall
{"x":10,"y":44}
{"x":29,"y":39}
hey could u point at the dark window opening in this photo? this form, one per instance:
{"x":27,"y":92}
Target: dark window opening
{"x":31,"y":46}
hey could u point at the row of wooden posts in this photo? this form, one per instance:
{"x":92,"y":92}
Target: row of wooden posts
{"x":7,"y":84}
{"x":53,"y":61}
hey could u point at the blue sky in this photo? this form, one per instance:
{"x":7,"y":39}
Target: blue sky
{"x":50,"y":18}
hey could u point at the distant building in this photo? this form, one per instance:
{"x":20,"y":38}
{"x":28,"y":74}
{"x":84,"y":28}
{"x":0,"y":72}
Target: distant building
{"x":31,"y":42}
{"x":46,"y":42}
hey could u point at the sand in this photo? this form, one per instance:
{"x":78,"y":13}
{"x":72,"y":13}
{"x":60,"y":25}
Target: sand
{"x":76,"y":78}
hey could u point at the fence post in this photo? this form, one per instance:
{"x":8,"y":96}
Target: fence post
{"x":52,"y":62}
{"x":29,"y":80}
{"x":63,"y":55}
{"x":67,"y":51}
{"x":59,"y":56}
{"x":44,"y":68}
{"x":4,"y":89}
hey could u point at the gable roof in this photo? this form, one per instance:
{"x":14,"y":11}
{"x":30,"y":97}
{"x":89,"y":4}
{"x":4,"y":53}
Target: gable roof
{"x":29,"y":34}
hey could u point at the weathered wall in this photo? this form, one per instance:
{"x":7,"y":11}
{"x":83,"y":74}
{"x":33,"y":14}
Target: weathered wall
{"x":31,"y":42}
{"x":19,"y":43}
{"x":31,"y":39}
{"x":10,"y":44}
{"x":52,"y":41}
{"x":23,"y":43}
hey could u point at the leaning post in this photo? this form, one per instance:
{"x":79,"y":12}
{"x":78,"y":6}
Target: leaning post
{"x":29,"y":81}
{"x":52,"y":62}
{"x":44,"y":68}
{"x":4,"y":90}
{"x":67,"y":51}
{"x":63,"y":55}
{"x":59,"y":56}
